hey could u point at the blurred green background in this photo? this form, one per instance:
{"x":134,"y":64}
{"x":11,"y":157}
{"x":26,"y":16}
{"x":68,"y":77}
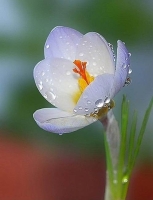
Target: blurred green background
{"x":24,"y":27}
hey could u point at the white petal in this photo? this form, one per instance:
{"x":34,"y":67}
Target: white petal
{"x":98,"y":90}
{"x":57,"y":82}
{"x":94,"y":49}
{"x":58,"y":121}
{"x":122,"y":68}
{"x":62,"y":43}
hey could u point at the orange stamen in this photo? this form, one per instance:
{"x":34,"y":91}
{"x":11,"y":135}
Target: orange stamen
{"x":81,"y":69}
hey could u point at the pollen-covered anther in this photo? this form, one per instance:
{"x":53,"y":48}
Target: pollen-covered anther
{"x":85,"y":79}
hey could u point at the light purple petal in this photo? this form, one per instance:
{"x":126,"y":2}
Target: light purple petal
{"x":62,"y":43}
{"x":122,"y":68}
{"x":98,"y":90}
{"x":94,"y":50}
{"x":58,"y":121}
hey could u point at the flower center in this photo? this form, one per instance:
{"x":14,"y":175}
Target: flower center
{"x":85,"y":78}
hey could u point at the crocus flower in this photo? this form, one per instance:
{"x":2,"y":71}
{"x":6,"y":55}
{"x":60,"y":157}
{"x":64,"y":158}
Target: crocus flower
{"x":79,"y":77}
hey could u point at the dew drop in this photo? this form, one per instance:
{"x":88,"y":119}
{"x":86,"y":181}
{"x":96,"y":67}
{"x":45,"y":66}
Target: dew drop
{"x":99,"y":103}
{"x":80,"y":108}
{"x":129,"y":54}
{"x":40,"y":85}
{"x":45,"y":96}
{"x":128,"y":81}
{"x":75,"y":110}
{"x":124,"y":65}
{"x":68,"y":73}
{"x":110,"y":45}
{"x":88,"y":102}
{"x":86,"y":109}
{"x":125,"y":179}
{"x":60,"y":134}
{"x":107,"y":100}
{"x":130,"y":71}
{"x":53,"y":96}
{"x":47,"y":46}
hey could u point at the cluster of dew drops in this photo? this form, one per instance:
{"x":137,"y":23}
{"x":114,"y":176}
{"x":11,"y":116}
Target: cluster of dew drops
{"x":128,"y":80}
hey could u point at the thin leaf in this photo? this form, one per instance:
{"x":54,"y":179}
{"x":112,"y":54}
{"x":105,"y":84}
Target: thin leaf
{"x":141,"y":134}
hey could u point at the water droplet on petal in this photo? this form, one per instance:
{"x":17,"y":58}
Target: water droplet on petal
{"x":45,"y":96}
{"x":99,"y":103}
{"x":124,"y":65}
{"x":68,"y":73}
{"x":75,"y":110}
{"x":53,"y":96}
{"x":88,"y":102}
{"x":80,"y":108}
{"x":130,"y":71}
{"x":129,"y":54}
{"x":86,"y":109}
{"x":40,"y":86}
{"x":47,"y":46}
{"x":128,"y":81}
{"x":107,"y":100}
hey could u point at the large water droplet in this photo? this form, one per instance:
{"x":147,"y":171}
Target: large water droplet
{"x":99,"y":103}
